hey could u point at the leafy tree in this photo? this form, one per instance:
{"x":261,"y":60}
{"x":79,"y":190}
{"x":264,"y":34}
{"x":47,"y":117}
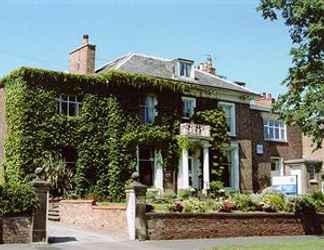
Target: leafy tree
{"x":303,"y":104}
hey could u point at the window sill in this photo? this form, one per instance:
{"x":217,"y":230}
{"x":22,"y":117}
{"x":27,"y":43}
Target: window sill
{"x":277,"y":141}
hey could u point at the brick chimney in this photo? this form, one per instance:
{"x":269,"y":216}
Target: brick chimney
{"x":82,"y":59}
{"x":208,"y":66}
{"x":264,"y":100}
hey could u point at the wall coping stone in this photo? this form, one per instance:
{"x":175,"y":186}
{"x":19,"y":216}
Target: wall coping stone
{"x":109,"y":207}
{"x":90,"y":202}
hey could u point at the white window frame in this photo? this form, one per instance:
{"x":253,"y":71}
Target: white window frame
{"x":68,"y":102}
{"x":233,"y":151}
{"x":187,"y":98}
{"x":266,"y":125}
{"x":147,"y":107}
{"x":189,"y":74}
{"x":232,"y":131}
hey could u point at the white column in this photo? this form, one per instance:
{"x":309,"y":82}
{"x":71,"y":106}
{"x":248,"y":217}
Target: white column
{"x":206,"y":177}
{"x":158,"y":170}
{"x":183,"y":174}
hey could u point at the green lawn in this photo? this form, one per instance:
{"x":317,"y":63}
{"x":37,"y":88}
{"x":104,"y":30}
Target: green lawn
{"x":287,"y":245}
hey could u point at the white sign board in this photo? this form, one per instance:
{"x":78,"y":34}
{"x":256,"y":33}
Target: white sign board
{"x":259,"y":149}
{"x":285,"y":184}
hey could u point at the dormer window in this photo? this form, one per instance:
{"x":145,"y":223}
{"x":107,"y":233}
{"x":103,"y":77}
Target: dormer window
{"x":185,"y":68}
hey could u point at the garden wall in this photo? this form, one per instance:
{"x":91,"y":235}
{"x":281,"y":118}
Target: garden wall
{"x":84,"y":213}
{"x":170,"y":226}
{"x":15,"y":230}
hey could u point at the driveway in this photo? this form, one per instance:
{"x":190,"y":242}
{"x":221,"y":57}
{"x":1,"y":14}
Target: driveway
{"x":63,"y":237}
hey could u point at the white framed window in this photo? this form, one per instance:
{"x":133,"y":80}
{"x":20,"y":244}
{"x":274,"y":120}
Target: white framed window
{"x":68,"y":105}
{"x":229,"y":109}
{"x":150,"y":111}
{"x":233,"y":166}
{"x":274,"y":130}
{"x":188,"y":107}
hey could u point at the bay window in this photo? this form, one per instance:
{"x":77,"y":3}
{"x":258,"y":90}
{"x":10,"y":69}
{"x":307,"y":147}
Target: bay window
{"x":274,"y":130}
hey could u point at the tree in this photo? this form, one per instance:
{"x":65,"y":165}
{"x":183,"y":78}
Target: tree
{"x":303,"y":104}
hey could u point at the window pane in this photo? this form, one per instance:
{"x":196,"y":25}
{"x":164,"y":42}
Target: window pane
{"x":266,"y":135}
{"x":182,"y":69}
{"x":64,"y":108}
{"x":277,"y":133}
{"x":271,"y":135}
{"x":188,"y":69}
{"x":270,"y":122}
{"x":283,"y":134}
{"x":72,"y":109}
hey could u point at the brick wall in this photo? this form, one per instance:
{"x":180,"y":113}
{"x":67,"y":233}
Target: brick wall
{"x":89,"y":216}
{"x":308,"y":148}
{"x":173,"y":226}
{"x":16,"y":230}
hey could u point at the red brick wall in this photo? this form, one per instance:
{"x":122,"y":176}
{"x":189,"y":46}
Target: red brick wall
{"x":86,"y":215}
{"x":173,"y":226}
{"x":16,"y":230}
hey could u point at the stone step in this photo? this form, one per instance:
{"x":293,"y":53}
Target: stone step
{"x":54,"y":218}
{"x":53,"y":214}
{"x":55,"y":210}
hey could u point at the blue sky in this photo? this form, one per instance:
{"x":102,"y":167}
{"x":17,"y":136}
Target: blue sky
{"x":40,"y":33}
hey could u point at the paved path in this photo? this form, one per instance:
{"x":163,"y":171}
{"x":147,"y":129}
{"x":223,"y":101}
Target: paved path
{"x":71,"y":238}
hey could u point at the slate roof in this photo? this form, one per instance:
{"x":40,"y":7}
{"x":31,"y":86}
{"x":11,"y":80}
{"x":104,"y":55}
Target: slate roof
{"x":165,"y":68}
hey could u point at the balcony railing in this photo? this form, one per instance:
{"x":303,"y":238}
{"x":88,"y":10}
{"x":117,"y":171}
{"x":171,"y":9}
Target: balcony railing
{"x":195,"y":130}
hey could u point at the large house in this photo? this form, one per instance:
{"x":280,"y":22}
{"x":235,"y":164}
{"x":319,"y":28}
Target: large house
{"x":260,"y":144}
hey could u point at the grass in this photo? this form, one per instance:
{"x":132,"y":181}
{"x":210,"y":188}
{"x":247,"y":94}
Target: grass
{"x":285,"y":245}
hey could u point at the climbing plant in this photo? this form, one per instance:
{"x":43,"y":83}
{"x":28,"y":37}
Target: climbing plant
{"x":106,"y":132}
{"x":215,"y":118}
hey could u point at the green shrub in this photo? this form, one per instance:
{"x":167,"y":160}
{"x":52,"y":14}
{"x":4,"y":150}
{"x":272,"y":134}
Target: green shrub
{"x":168,"y":196}
{"x":17,"y":199}
{"x":243,"y":202}
{"x":152,"y":195}
{"x":175,"y":207}
{"x":194,"y":205}
{"x":185,"y":194}
{"x":318,"y":199}
{"x":274,"y":202}
{"x":213,"y":205}
{"x":216,"y":188}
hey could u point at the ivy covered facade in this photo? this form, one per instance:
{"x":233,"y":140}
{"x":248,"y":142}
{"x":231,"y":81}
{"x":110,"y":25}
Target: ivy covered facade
{"x":177,"y":126}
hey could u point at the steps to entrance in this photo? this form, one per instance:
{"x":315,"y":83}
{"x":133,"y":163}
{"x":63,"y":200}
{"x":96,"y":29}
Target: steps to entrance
{"x":54,"y":211}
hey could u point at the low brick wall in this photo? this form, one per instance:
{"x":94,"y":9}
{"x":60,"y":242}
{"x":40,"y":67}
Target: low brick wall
{"x":167,"y":226}
{"x":87,"y":215}
{"x":15,"y":230}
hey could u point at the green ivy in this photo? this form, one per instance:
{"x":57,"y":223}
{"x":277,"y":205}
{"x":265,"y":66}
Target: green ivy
{"x":105,"y":133}
{"x":183,"y":142}
{"x":216,"y":119}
